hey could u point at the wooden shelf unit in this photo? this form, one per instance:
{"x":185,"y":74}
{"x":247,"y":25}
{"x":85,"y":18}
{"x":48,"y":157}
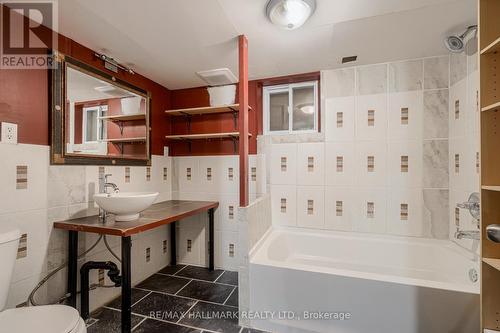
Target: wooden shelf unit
{"x":492,"y":48}
{"x":489,"y":63}
{"x":205,"y":110}
{"x":206,"y":136}
{"x":141,"y":139}
{"x":125,"y":117}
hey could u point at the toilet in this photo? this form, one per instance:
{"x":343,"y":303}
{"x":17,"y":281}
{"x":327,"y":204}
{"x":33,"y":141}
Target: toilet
{"x":40,"y":319}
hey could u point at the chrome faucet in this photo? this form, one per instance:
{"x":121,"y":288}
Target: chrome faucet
{"x":103,"y":186}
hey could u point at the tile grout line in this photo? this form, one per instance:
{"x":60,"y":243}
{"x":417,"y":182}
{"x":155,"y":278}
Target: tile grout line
{"x":143,"y":320}
{"x":180,"y":270}
{"x":165,"y":321}
{"x":190,"y":308}
{"x":234,"y":288}
{"x":141,"y":298}
{"x":184,"y":286}
{"x":194,"y":279}
{"x":193,"y":299}
{"x":219,"y":276}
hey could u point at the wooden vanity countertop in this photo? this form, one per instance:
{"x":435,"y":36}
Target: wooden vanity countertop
{"x":155,"y":216}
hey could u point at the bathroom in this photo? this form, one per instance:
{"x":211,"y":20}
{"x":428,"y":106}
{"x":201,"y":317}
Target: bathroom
{"x":249,"y":166}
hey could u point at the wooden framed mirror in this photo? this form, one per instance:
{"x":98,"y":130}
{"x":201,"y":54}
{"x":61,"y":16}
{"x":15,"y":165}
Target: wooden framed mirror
{"x":97,"y":119}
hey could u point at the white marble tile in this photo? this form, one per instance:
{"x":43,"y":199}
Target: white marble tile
{"x":365,"y":176}
{"x":458,"y":67}
{"x":376,"y":129}
{"x":435,"y":213}
{"x":397,"y":222}
{"x":473,"y":107}
{"x":188,"y":171}
{"x":371,"y":79}
{"x":229,"y":250}
{"x":311,"y":164}
{"x":283,"y":163}
{"x":436,"y":72}
{"x":406,"y":76}
{"x":340,"y":164}
{"x":436,"y":114}
{"x":66,"y":185}
{"x":284,"y":204}
{"x":435,"y":165}
{"x":190,"y":241}
{"x":337,"y":83}
{"x":311,"y":206}
{"x":339,"y":208}
{"x":400,"y":176}
{"x":458,"y":115}
{"x":370,"y":221}
{"x":36,"y":158}
{"x":399,"y":105}
{"x":340,"y":115}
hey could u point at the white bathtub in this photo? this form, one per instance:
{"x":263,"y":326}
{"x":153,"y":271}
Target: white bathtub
{"x":386,"y":284}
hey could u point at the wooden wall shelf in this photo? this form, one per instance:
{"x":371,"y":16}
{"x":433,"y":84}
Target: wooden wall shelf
{"x":205,"y":110}
{"x":207,"y":136}
{"x":491,"y":107}
{"x":492,"y":48}
{"x":125,"y":117}
{"x":127,"y":140}
{"x":491,"y":188}
{"x":495,"y":263}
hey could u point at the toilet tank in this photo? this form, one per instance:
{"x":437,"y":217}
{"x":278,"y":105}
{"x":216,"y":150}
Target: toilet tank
{"x":8,"y":251}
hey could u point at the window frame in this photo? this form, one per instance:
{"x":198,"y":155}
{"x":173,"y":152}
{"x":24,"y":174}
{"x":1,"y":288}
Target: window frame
{"x":99,"y":123}
{"x":289,"y":87}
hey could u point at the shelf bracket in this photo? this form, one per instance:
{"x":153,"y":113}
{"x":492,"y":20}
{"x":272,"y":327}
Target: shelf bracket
{"x":188,"y":116}
{"x":120,"y":125}
{"x":235,"y":119}
{"x":235,"y":144}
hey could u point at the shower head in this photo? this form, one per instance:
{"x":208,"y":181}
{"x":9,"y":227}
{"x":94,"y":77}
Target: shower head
{"x":456,"y":44}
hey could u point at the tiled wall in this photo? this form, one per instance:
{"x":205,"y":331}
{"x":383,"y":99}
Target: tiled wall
{"x":381,"y":163}
{"x":464,"y":137}
{"x":214,"y":178}
{"x":34,"y":194}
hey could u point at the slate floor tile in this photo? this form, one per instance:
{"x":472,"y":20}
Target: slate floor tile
{"x":164,"y":307}
{"x":207,"y":291}
{"x":109,"y":321}
{"x":163,"y":283}
{"x":213,"y":317}
{"x":200,"y":273}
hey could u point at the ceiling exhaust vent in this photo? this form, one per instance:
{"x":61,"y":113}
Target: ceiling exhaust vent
{"x":218,"y":77}
{"x":349,"y":59}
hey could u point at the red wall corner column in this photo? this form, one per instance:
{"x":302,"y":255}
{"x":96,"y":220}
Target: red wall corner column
{"x":243,"y":118}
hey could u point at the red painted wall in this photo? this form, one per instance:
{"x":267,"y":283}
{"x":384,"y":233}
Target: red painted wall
{"x":24,"y":98}
{"x":196,"y":97}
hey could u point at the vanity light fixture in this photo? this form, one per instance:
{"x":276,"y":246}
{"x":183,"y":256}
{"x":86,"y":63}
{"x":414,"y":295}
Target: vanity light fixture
{"x":290,"y":14}
{"x":112,"y":65}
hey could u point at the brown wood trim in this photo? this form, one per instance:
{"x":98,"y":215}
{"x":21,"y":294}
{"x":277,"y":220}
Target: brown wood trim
{"x":243,"y":118}
{"x":123,"y":229}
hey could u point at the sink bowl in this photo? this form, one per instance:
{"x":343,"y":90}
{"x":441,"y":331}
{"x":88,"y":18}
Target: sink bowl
{"x":125,"y":205}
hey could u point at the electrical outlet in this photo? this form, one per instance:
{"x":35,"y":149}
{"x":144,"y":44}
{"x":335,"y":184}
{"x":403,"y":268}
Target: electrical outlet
{"x":8,"y":133}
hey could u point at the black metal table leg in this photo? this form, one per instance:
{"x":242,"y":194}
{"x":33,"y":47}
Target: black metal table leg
{"x":72,"y":267}
{"x":211,"y":247}
{"x":173,"y":246}
{"x":126,"y":285}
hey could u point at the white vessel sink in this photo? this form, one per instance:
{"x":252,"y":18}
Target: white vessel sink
{"x":125,"y":205}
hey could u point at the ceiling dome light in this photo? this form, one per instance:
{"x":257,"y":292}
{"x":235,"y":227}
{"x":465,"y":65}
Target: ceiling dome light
{"x":290,"y":14}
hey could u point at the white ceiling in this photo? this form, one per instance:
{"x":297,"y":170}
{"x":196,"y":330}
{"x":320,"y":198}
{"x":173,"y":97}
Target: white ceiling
{"x":169,"y":40}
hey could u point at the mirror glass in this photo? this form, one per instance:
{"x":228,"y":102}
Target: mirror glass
{"x":103,"y":118}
